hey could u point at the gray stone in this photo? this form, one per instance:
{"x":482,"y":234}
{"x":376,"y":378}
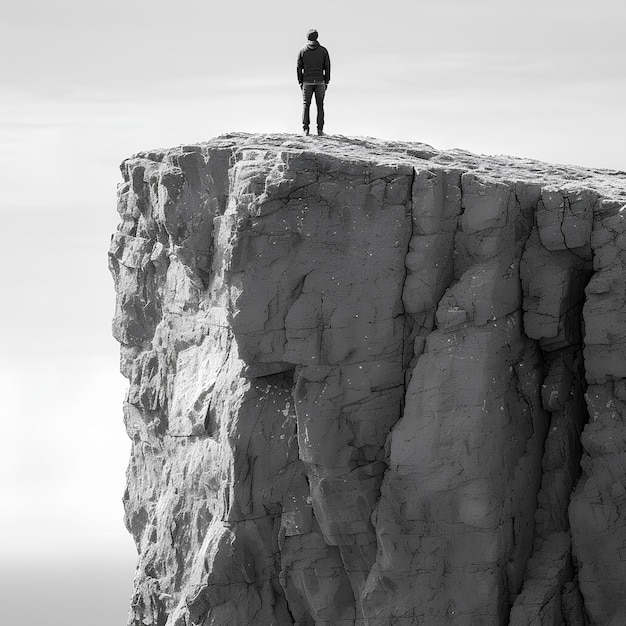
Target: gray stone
{"x":372,"y":384}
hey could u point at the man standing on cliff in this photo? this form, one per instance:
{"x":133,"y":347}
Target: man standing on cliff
{"x":313,"y":75}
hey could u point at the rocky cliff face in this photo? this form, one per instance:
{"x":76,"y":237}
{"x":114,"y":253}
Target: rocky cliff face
{"x":372,"y":383}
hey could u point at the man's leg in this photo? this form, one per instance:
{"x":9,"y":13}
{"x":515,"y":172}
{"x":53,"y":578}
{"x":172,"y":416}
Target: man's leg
{"x":307,"y":95}
{"x":320,"y":91}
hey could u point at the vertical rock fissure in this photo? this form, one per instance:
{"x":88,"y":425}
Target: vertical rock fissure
{"x":553,"y":317}
{"x":549,"y":579}
{"x":598,"y":504}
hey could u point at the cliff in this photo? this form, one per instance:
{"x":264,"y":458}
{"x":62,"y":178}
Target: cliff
{"x":372,"y":383}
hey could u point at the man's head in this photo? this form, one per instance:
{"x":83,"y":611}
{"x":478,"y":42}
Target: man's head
{"x":312,"y":35}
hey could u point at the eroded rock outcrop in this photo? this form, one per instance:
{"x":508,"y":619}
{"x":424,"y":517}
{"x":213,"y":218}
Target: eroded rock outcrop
{"x":372,"y":383}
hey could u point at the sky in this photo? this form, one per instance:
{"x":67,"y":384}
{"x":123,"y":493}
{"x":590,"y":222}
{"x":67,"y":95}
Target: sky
{"x":85,"y":84}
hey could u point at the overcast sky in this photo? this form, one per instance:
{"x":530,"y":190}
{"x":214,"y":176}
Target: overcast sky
{"x":85,"y":84}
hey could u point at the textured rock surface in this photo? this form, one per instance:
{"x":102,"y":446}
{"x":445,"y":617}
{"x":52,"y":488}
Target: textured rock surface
{"x":372,"y":383}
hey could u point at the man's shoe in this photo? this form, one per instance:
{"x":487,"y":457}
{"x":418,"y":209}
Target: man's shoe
{"x":320,"y":132}
{"x":305,"y":132}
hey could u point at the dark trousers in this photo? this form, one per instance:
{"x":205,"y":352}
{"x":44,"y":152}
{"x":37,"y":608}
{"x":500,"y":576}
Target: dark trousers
{"x":308,"y":89}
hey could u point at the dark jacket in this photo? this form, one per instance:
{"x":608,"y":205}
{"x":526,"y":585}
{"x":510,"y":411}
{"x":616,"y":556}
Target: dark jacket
{"x":313,"y":64}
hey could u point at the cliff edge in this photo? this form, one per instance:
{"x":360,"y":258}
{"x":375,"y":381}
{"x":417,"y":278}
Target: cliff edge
{"x":372,"y":383}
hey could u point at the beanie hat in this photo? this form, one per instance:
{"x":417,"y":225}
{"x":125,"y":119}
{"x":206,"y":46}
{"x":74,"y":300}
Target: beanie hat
{"x":312,"y":35}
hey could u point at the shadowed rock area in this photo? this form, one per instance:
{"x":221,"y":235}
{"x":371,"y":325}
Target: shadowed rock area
{"x":372,"y":383}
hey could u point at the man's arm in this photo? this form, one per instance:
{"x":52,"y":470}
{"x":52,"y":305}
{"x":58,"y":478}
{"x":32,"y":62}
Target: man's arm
{"x":327,"y":68}
{"x":300,"y":67}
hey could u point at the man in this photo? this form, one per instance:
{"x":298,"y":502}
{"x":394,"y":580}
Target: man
{"x":313,"y":75}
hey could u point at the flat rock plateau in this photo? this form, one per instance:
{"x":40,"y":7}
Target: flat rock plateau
{"x":372,"y":383}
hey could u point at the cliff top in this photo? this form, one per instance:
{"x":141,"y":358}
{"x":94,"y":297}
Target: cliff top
{"x":611,"y":184}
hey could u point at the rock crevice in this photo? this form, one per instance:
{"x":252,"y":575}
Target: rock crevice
{"x":372,"y":383}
